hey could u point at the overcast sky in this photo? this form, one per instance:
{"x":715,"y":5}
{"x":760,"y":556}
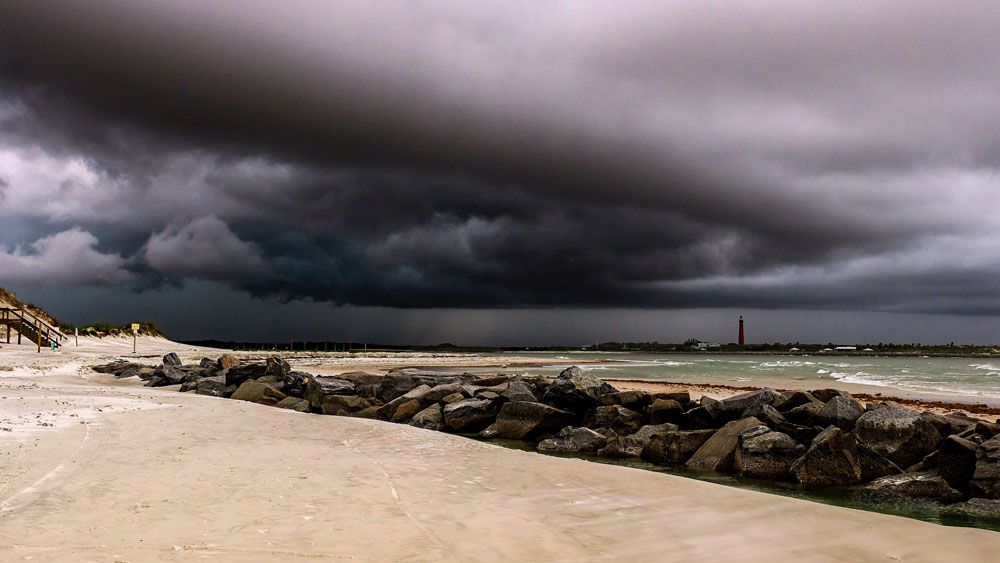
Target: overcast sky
{"x":510,"y":173}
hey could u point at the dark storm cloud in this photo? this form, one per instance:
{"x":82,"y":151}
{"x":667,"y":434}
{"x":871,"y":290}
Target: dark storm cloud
{"x":451,"y":154}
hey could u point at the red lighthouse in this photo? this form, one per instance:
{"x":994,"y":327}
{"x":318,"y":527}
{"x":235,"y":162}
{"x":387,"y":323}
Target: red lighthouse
{"x":742,"y":341}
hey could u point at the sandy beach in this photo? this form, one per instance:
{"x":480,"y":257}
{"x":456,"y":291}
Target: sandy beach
{"x":96,"y":469}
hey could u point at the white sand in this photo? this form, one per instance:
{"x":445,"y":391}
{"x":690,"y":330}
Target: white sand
{"x":126,"y":473}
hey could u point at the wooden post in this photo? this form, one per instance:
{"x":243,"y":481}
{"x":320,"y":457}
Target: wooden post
{"x":39,"y":327}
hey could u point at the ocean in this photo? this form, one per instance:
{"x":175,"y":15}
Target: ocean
{"x":959,"y":377}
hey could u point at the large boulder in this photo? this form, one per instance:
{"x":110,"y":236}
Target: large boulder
{"x":576,"y":390}
{"x":666,"y":411}
{"x":897,"y":433}
{"x":791,"y":399}
{"x":824,"y":395}
{"x":806,"y":414}
{"x":277,"y":367}
{"x":573,"y":440}
{"x":921,"y":485}
{"x":227,"y":361}
{"x":719,"y":452}
{"x":675,"y":447}
{"x":832,"y":460}
{"x":413,"y":400}
{"x":956,"y":461}
{"x":949,"y":424}
{"x":342,"y":405}
{"x":167,"y":374}
{"x":767,"y":414}
{"x":841,"y":412}
{"x":469,"y":415}
{"x":114,"y":366}
{"x":621,"y":447}
{"x":682,"y":397}
{"x":521,"y":420}
{"x":520,"y":391}
{"x":257,"y":392}
{"x":237,"y":375}
{"x":985,"y":480}
{"x":646,"y":433}
{"x":697,"y":418}
{"x":211,"y":386}
{"x":765,"y":454}
{"x":431,"y":418}
{"x":398,"y":383}
{"x":294,"y":404}
{"x":873,"y":464}
{"x":732,"y":408}
{"x":616,"y":418}
{"x":172,"y":359}
{"x":976,"y":508}
{"x":632,"y":400}
{"x":317,"y":387}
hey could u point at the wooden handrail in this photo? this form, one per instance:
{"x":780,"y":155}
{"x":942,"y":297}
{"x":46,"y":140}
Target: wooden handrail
{"x":35,"y":322}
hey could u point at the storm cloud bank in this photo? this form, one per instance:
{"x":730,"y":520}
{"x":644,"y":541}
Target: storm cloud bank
{"x":448,"y":154}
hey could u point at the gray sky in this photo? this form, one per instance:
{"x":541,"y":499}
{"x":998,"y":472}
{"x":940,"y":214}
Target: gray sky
{"x":544,"y":172}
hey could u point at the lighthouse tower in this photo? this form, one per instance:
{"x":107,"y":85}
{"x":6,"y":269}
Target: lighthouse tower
{"x":742,"y":340}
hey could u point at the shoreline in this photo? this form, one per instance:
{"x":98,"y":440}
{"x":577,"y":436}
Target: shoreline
{"x":914,"y":400}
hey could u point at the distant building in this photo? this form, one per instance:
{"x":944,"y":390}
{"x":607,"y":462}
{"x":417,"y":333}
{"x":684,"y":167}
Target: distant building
{"x":794,"y":350}
{"x":846,"y":348}
{"x":707,"y":345}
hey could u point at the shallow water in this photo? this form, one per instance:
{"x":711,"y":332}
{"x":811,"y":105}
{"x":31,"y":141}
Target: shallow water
{"x":959,"y":377}
{"x":918,"y":509}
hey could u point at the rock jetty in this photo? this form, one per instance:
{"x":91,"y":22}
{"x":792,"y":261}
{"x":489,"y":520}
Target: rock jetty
{"x":820,"y":438}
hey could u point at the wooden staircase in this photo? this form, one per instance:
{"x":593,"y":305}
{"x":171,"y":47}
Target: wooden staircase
{"x":31,"y":327}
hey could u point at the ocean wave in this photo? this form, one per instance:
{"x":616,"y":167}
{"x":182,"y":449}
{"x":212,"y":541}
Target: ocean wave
{"x":784,"y":364}
{"x":986,"y":367}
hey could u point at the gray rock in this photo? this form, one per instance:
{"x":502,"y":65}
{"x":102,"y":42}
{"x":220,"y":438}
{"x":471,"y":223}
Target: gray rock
{"x":113,"y":367}
{"x":341,"y":405}
{"x":985,"y":480}
{"x":129,"y":371}
{"x":277,"y":367}
{"x":841,"y":412}
{"x":621,"y":447}
{"x":977,"y":508}
{"x":832,"y":460}
{"x":920,"y":485}
{"x":237,"y":375}
{"x":522,"y":420}
{"x":317,"y":387}
{"x":520,"y":391}
{"x":697,"y":418}
{"x":645,"y":434}
{"x":632,"y":400}
{"x":675,"y":448}
{"x":824,"y":395}
{"x":573,"y":440}
{"x":617,"y":418}
{"x":791,"y":399}
{"x":765,"y":454}
{"x":719,"y":452}
{"x":469,"y":415}
{"x":576,"y":390}
{"x":767,"y":414}
{"x":172,"y":359}
{"x":948,"y":425}
{"x":806,"y":415}
{"x":166,"y":374}
{"x":956,"y":461}
{"x":257,"y":392}
{"x":207,"y":363}
{"x":733,"y":407}
{"x":431,"y":418}
{"x":212,"y":386}
{"x":682,"y":397}
{"x":873,"y":464}
{"x":398,"y":383}
{"x":897,"y":433}
{"x":414,"y":401}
